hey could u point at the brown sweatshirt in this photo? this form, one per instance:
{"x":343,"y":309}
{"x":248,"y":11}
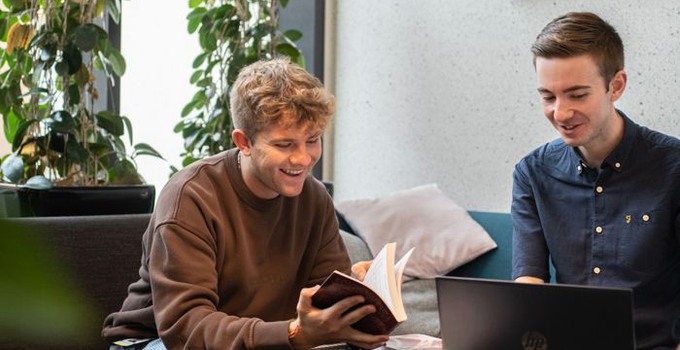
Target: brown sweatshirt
{"x":222,"y":268}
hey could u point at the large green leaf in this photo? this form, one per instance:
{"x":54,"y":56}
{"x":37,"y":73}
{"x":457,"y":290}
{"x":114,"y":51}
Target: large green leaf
{"x":293,"y":34}
{"x":198,"y":61}
{"x":20,"y":133}
{"x":196,"y":76}
{"x":188,"y":108}
{"x":128,"y":126}
{"x":207,"y":40}
{"x":110,"y":122}
{"x":39,"y":299}
{"x":75,"y":151}
{"x":117,"y":62}
{"x":72,"y":56}
{"x":194,"y":3}
{"x":288,"y":50}
{"x":194,"y":18}
{"x":61,"y":121}
{"x":11,"y":125}
{"x":85,"y":37}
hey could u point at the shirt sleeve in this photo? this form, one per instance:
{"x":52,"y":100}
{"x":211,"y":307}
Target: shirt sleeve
{"x":185,"y":298}
{"x":529,"y":249}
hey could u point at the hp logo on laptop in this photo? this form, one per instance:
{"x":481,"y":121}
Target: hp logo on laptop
{"x":533,"y":340}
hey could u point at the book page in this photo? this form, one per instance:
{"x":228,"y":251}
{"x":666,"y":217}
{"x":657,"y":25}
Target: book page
{"x":399,"y":275}
{"x":380,"y":277}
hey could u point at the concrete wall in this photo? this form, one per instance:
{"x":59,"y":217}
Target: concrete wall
{"x":444,"y":91}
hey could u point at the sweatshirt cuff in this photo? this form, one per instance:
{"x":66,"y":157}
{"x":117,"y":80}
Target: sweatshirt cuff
{"x":272,"y":335}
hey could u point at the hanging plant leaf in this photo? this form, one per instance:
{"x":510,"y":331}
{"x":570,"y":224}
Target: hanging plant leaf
{"x":75,"y":151}
{"x":287,"y":49}
{"x":128,"y":126}
{"x":110,"y":122}
{"x":57,"y":142}
{"x":61,"y":68}
{"x":145,"y":149}
{"x":194,"y":18}
{"x":198,"y":61}
{"x":117,"y":62}
{"x":196,"y":76}
{"x":293,"y":34}
{"x":73,"y":57}
{"x":85,"y":37}
{"x":20,"y":133}
{"x":61,"y":121}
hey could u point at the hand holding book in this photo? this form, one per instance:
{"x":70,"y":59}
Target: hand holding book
{"x":381,"y":287}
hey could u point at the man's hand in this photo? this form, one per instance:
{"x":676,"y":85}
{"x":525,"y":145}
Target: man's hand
{"x":529,"y":279}
{"x":332,"y":325}
{"x":359,"y":269}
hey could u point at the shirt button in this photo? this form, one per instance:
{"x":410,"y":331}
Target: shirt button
{"x":645,"y":217}
{"x":599,"y":229}
{"x":617,"y":165}
{"x":599,"y":189}
{"x":597,"y":270}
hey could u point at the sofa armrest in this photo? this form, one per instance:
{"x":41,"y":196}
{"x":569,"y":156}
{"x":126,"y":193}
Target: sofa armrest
{"x":356,"y":247}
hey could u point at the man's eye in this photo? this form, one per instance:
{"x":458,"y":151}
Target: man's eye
{"x":548,"y":98}
{"x":314,"y":140}
{"x":282,"y":145}
{"x":579,"y":96}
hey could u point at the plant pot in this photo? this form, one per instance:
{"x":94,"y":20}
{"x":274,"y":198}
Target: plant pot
{"x":71,"y":201}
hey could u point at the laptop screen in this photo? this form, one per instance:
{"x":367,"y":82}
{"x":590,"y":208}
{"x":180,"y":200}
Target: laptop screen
{"x":481,"y":314}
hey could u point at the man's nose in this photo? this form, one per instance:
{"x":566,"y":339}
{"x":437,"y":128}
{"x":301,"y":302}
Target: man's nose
{"x":562,"y":111}
{"x":301,"y":156}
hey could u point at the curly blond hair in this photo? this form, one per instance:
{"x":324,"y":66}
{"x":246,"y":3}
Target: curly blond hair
{"x":266,"y":91}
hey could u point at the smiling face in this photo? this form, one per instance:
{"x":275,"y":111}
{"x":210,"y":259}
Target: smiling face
{"x":580,"y":104}
{"x":279,"y":158}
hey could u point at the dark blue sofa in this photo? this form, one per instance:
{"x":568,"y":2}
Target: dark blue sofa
{"x":103,"y":255}
{"x":420,"y":299}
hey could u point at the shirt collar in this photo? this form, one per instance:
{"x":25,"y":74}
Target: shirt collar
{"x":617,"y":159}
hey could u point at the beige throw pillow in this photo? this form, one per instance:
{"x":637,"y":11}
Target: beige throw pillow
{"x":444,"y":234}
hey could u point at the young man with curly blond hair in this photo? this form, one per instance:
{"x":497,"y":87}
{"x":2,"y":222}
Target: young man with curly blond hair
{"x":239,"y":241}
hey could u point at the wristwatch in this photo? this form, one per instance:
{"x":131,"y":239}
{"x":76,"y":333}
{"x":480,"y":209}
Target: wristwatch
{"x":293,"y":329}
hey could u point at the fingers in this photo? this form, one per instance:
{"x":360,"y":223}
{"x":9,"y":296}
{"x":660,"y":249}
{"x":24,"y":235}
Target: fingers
{"x":305,"y":300}
{"x":359,"y":269}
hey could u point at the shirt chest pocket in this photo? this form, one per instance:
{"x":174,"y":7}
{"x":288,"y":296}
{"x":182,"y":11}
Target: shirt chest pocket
{"x":645,"y":239}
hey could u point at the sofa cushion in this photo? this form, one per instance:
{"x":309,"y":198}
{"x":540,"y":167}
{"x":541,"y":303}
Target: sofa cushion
{"x":444,"y":234}
{"x":495,"y":264}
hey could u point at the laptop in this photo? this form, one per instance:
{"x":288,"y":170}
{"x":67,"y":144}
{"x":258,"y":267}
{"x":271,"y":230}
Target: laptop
{"x":484,"y":314}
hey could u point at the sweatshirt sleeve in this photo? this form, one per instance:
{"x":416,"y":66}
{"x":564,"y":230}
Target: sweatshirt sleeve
{"x":185,"y":298}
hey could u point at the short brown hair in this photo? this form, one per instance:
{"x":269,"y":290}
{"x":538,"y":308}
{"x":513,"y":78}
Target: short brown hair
{"x":265,"y":91}
{"x":578,"y":33}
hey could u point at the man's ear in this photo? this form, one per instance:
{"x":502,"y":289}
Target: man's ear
{"x":618,"y":85}
{"x":241,"y":141}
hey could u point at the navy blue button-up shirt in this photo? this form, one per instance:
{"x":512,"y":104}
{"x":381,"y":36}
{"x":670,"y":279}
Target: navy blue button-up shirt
{"x":619,"y":226}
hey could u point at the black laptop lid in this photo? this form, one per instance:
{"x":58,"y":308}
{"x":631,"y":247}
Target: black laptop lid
{"x":480,"y":314}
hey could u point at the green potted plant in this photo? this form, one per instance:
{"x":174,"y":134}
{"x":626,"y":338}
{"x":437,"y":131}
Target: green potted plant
{"x":231,"y":34}
{"x":57,"y":56}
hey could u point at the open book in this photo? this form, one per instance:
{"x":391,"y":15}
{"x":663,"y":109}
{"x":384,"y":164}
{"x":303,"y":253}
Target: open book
{"x":381,"y":287}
